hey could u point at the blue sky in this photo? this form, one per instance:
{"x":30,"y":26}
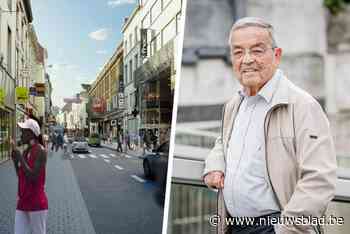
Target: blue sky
{"x":80,"y":36}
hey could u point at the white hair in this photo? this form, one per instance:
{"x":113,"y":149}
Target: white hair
{"x":253,"y":22}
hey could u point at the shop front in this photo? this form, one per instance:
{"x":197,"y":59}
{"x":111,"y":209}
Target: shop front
{"x":153,"y":80}
{"x":7,"y":113}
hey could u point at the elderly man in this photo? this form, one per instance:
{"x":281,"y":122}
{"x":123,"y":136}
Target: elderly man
{"x":275,"y":157}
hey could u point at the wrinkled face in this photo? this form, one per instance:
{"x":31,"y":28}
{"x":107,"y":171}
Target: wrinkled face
{"x":254,"y":60}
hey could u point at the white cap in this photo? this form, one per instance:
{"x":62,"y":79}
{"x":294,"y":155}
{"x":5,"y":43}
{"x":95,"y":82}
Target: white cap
{"x":32,"y":125}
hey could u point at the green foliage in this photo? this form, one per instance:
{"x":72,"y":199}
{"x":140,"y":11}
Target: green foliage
{"x":335,"y":6}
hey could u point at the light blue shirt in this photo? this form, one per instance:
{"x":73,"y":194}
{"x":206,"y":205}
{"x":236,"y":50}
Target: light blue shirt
{"x":247,"y":190}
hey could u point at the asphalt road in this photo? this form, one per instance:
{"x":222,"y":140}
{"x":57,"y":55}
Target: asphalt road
{"x":118,"y":197}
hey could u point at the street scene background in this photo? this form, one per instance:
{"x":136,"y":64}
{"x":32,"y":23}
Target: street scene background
{"x":100,"y":79}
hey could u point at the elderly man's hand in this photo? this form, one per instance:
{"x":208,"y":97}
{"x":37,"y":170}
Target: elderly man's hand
{"x":214,"y":179}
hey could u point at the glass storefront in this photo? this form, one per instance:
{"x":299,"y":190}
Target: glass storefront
{"x":157,"y":102}
{"x":5,"y":133}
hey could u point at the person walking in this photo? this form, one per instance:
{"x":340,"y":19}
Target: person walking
{"x":32,"y":203}
{"x":120,"y":143}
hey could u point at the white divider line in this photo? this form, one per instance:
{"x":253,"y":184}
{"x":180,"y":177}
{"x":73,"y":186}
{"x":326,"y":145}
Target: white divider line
{"x":81,"y":156}
{"x":107,"y":161}
{"x":138,"y":179}
{"x":104,"y":156}
{"x":118,"y":167}
{"x":92,"y":156}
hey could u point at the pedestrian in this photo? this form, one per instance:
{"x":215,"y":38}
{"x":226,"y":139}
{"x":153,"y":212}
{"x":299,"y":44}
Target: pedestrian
{"x":120,"y":143}
{"x":127,"y":140}
{"x":32,"y":203}
{"x":275,"y":156}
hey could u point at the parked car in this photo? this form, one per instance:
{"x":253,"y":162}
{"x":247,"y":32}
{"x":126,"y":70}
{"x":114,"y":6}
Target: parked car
{"x":80,"y":145}
{"x":155,"y":166}
{"x":94,"y":140}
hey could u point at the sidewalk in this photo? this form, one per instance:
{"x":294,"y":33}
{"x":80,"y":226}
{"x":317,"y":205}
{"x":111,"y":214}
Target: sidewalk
{"x":67,"y":210}
{"x":113,"y":146}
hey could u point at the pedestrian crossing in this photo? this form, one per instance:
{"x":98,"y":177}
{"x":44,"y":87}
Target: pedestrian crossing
{"x":106,"y":157}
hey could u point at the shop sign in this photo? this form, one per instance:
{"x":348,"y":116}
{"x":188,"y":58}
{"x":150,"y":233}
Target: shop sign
{"x":121,"y":100}
{"x":143,"y":49}
{"x":40,"y":89}
{"x":98,"y":105}
{"x":22,"y":94}
{"x":32,"y":91}
{"x":2,"y":97}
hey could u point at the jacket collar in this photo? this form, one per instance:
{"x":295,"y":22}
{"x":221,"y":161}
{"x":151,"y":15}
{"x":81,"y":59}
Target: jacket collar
{"x":281,"y":94}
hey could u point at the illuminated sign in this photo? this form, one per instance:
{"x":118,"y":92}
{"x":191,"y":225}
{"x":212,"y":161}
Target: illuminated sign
{"x":143,"y":49}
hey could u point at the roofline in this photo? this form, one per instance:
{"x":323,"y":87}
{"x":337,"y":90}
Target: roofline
{"x":118,"y":52}
{"x":125,"y":25}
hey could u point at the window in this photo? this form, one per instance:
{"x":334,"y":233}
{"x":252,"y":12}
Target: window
{"x":136,"y":61}
{"x":169,"y":31}
{"x":130,"y":69}
{"x":125,"y":73}
{"x":9,"y":50}
{"x":130,"y":41}
{"x":9,"y":4}
{"x":136,"y":35}
{"x":126,"y":46}
{"x":132,"y":100}
{"x":156,"y":9}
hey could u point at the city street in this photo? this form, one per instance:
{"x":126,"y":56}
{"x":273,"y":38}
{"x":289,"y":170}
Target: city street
{"x":100,"y":192}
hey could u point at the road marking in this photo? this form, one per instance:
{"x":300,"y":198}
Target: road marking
{"x":104,"y":156}
{"x":92,"y":156}
{"x":112,"y":155}
{"x":107,"y":161}
{"x":81,"y":156}
{"x":138,"y":179}
{"x":127,"y":156}
{"x":118,"y":167}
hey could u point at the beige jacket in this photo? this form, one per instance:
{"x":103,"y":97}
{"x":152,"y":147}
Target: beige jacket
{"x":300,"y":155}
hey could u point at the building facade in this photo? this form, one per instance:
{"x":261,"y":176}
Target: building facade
{"x":151,"y":35}
{"x":106,"y":98}
{"x":8,"y":75}
{"x":131,"y":61}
